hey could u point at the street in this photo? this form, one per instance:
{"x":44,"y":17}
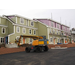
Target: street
{"x":52,"y":57}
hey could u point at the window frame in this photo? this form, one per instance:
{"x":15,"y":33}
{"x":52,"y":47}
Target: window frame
{"x":21,"y":21}
{"x":22,"y":30}
{"x":2,"y":40}
{"x":29,"y":31}
{"x":52,"y":23}
{"x":2,"y":30}
{"x":57,"y":25}
{"x":35,"y":32}
{"x":31,"y":22}
{"x":19,"y":29}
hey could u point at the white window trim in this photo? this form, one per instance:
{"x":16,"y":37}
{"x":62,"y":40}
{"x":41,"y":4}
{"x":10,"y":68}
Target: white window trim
{"x":2,"y":30}
{"x":19,"y":29}
{"x":35,"y":32}
{"x":22,"y":30}
{"x":31,"y":31}
{"x":20,"y":20}
{"x":2,"y":40}
{"x":30,"y":23}
{"x":26,"y":22}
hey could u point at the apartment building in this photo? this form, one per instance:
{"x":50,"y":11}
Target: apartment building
{"x":56,"y":32}
{"x":12,"y":26}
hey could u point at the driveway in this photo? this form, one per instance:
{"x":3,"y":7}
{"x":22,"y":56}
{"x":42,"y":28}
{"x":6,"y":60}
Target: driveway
{"x":52,"y":57}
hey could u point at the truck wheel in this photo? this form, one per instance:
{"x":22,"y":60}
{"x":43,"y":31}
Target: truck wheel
{"x":27,"y":49}
{"x":38,"y":49}
{"x":46,"y":48}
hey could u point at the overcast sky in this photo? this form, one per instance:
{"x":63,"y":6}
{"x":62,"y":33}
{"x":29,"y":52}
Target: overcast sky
{"x":67,"y":15}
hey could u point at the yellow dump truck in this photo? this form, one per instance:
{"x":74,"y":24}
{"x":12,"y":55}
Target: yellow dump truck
{"x":39,"y":44}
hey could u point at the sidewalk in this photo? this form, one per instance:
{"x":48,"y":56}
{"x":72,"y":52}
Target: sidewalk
{"x":4,"y":50}
{"x":62,"y":45}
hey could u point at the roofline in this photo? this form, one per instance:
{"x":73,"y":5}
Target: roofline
{"x":19,"y":16}
{"x":24,"y":17}
{"x":52,"y":20}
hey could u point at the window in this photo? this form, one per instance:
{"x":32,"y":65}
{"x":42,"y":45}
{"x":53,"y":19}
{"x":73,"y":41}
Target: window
{"x":64,"y":28}
{"x":2,"y":40}
{"x":57,"y":25}
{"x":17,"y":38}
{"x":51,"y":39}
{"x":22,"y":20}
{"x":18,"y":30}
{"x":30,"y":40}
{"x":3,"y":30}
{"x":23,"y":30}
{"x":30,"y":31}
{"x":32,"y":23}
{"x":52,"y":24}
{"x":34,"y":32}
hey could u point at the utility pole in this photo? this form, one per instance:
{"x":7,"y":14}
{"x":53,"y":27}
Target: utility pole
{"x":51,"y":15}
{"x":60,"y":19}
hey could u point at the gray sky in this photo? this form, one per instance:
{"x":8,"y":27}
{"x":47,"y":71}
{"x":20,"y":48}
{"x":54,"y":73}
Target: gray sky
{"x":67,"y":15}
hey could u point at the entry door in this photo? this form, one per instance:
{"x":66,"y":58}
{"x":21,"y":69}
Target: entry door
{"x":54,"y":41}
{"x":6,"y":40}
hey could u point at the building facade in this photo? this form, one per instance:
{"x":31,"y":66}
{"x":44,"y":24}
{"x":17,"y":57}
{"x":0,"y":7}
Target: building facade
{"x":12,"y":26}
{"x":73,"y":35}
{"x":56,"y":32}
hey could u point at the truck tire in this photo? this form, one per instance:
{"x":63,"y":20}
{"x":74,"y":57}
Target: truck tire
{"x":38,"y":49}
{"x":46,"y":48}
{"x":27,"y":50}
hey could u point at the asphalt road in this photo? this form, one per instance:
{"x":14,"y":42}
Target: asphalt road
{"x":52,"y":57}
